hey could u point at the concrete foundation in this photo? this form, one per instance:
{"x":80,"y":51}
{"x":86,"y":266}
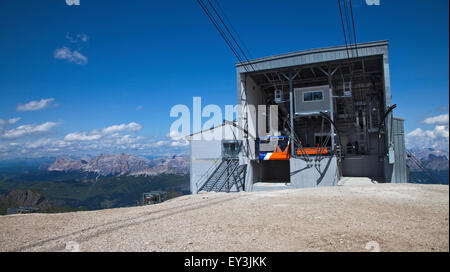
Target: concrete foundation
{"x":314,"y":174}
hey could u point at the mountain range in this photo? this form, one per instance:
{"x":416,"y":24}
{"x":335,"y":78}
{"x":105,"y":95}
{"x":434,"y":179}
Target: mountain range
{"x":123,"y":164}
{"x":431,"y":159}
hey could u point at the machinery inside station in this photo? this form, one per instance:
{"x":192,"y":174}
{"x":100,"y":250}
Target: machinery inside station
{"x":338,"y":110}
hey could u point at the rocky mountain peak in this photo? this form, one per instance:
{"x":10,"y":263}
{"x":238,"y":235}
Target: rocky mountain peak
{"x":123,"y":164}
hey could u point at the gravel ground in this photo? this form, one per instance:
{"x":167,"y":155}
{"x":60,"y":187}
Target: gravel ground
{"x":386,"y":217}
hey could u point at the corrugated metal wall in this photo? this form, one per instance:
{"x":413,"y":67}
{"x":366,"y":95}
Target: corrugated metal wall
{"x":400,"y":173}
{"x":204,"y":155}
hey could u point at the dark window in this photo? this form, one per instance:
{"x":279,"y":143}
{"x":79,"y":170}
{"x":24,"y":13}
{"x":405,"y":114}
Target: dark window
{"x":313,"y":96}
{"x":230,"y":149}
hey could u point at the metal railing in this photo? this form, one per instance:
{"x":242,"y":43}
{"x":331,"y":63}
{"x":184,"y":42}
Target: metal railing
{"x":227,"y":174}
{"x":204,"y":178}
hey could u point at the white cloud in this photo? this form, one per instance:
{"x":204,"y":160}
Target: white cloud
{"x":35,"y":105}
{"x":109,"y":144}
{"x":39,"y":143}
{"x":83,"y":37}
{"x":69,"y":55}
{"x":98,"y":134}
{"x":127,"y":139}
{"x":176,"y":135}
{"x":436,"y":138}
{"x":109,"y":140}
{"x":26,"y":130}
{"x":175,"y":139}
{"x":11,"y":121}
{"x":133,"y":127}
{"x":82,"y":136}
{"x":179,"y":143}
{"x":79,"y":38}
{"x":437,"y":120}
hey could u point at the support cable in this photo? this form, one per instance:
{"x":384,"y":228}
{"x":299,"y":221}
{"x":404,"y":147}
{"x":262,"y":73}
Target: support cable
{"x":232,"y":28}
{"x":421,"y":167}
{"x":354,"y":31}
{"x":222,"y":34}
{"x":230,"y":34}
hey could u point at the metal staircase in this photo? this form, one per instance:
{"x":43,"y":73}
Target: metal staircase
{"x":227,"y":176}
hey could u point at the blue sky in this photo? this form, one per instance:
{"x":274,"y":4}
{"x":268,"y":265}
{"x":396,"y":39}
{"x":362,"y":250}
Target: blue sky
{"x":104,"y":64}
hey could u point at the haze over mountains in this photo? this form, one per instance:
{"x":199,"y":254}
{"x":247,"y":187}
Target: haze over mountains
{"x":123,"y":164}
{"x":108,"y":181}
{"x":135,"y":166}
{"x":432,"y":159}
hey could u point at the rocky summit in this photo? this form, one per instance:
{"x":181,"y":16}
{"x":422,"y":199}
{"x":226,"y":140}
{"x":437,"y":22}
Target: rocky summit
{"x":430,"y":158}
{"x":123,"y":164}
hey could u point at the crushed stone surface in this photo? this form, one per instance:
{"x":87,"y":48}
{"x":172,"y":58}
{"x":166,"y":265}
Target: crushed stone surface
{"x":380,"y":217}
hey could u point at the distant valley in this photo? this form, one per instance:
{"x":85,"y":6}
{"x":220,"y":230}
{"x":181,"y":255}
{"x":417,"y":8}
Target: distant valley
{"x":91,"y":182}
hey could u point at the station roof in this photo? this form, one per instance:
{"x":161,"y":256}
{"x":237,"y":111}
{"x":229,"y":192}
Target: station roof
{"x":314,"y":56}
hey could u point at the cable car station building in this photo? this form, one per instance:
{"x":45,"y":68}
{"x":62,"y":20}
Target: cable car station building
{"x":334,"y":119}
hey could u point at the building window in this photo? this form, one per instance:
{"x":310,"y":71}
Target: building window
{"x":230,"y":149}
{"x":313,"y":96}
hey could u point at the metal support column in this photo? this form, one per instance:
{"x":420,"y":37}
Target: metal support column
{"x":330,"y":84}
{"x":330,"y":74}
{"x":291,"y":115}
{"x":291,"y":78}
